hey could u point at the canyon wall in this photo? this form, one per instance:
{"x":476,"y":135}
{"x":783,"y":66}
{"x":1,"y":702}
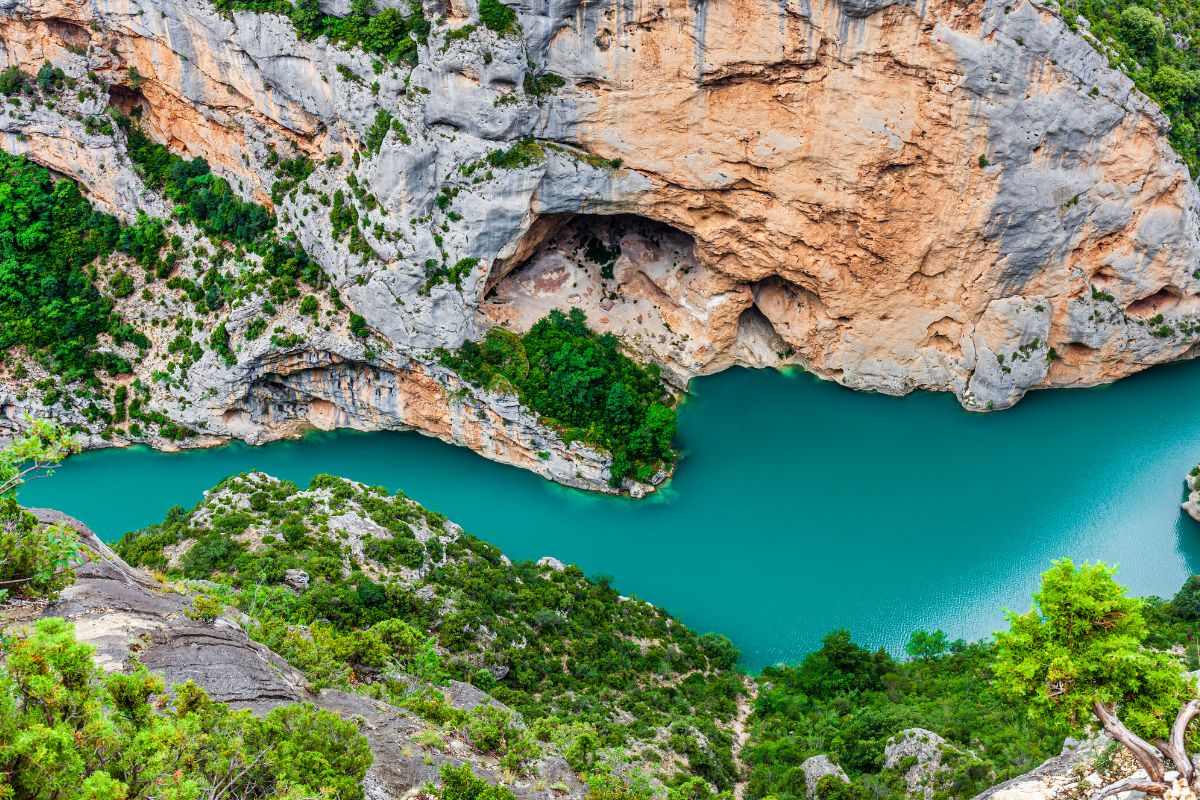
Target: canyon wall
{"x":956,"y":196}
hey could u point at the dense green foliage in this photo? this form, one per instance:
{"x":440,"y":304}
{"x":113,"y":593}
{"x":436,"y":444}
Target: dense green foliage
{"x":1059,"y":658}
{"x":585,"y":668}
{"x":68,"y":732}
{"x":846,"y":701}
{"x":498,"y":17}
{"x":582,"y":383}
{"x":48,"y":234}
{"x":200,"y":196}
{"x":1010,"y":702}
{"x":1157,"y":44}
{"x":388,"y":33}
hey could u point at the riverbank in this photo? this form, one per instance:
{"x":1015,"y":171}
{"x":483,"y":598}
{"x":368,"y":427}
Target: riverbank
{"x":810,"y":508}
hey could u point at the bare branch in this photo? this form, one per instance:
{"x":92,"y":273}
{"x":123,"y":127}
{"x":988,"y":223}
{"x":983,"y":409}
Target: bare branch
{"x":1147,"y":755}
{"x":54,"y":574}
{"x":1175,"y":748}
{"x":1132,"y":784}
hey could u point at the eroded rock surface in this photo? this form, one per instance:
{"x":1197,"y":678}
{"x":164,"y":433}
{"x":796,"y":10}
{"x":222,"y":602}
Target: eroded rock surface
{"x":1192,"y":504}
{"x":957,"y":197}
{"x":123,"y":614}
{"x":1058,"y":776}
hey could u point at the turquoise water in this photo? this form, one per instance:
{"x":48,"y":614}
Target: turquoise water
{"x":799,"y":506}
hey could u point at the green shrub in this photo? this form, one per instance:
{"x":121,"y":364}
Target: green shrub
{"x":35,"y":559}
{"x":48,"y":302}
{"x":524,"y":153}
{"x":582,"y":383}
{"x":378,"y":131}
{"x":497,"y":17}
{"x":71,"y":733}
{"x":460,"y":783}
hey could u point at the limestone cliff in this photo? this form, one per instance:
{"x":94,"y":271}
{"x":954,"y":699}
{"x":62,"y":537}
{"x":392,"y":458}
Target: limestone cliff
{"x":952,"y":196}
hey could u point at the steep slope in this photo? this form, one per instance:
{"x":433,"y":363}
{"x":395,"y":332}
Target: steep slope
{"x":958,"y":197}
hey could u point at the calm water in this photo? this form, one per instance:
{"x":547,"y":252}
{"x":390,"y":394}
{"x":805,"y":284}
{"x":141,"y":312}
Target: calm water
{"x":799,"y":506}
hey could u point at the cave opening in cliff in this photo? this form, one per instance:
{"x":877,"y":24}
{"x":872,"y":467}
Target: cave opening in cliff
{"x":642,"y":280}
{"x":128,"y":100}
{"x":1159,"y":302}
{"x":759,"y":343}
{"x":625,"y":272}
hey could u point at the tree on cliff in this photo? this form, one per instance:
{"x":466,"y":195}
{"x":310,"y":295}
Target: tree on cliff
{"x":1079,"y":654}
{"x":35,"y":559}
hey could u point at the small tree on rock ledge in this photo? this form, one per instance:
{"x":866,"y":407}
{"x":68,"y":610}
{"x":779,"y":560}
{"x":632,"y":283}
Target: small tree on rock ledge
{"x":1079,"y":654}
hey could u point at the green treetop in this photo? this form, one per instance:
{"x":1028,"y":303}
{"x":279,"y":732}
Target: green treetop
{"x":35,"y":559}
{"x":68,"y":732}
{"x":1078,"y":654}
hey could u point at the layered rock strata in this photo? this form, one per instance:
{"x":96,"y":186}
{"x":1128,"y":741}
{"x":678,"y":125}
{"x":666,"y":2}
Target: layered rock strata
{"x":951,"y":196}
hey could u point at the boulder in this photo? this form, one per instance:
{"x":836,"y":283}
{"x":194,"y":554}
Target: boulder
{"x":818,"y":767}
{"x":926,"y":761}
{"x":296,"y":579}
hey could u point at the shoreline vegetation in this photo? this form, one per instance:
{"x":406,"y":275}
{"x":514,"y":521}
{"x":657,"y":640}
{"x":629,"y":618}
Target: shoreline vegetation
{"x":365,"y":591}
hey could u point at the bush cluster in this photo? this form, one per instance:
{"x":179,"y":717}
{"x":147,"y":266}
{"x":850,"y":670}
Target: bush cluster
{"x":389,"y":33}
{"x":49,"y":235}
{"x":582,"y":383}
{"x":68,"y":732}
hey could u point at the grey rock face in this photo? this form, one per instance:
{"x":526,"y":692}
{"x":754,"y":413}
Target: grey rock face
{"x":818,"y":767}
{"x":1055,"y":776}
{"x":401,"y":765}
{"x":1078,"y":197}
{"x":120,"y":612}
{"x":925,"y":760}
{"x":551,"y":562}
{"x":296,"y":579}
{"x":1011,"y":351}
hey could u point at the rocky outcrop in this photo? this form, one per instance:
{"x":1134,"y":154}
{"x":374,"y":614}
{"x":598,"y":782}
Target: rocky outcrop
{"x":816,"y":768}
{"x":957,"y":197}
{"x":926,"y":761}
{"x":1192,"y":504}
{"x":124,"y":615}
{"x":1072,"y":773}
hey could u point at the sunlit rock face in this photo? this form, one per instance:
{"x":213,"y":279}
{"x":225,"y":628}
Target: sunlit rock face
{"x":952,"y":196}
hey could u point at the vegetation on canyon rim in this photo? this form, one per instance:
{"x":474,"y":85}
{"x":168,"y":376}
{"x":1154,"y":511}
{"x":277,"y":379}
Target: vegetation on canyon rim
{"x":561,"y":650}
{"x":582,"y":383}
{"x":48,"y":303}
{"x":388,"y":33}
{"x":1154,"y":42}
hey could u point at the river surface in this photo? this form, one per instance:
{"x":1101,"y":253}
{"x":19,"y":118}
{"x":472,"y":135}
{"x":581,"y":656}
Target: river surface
{"x":799,"y":506}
